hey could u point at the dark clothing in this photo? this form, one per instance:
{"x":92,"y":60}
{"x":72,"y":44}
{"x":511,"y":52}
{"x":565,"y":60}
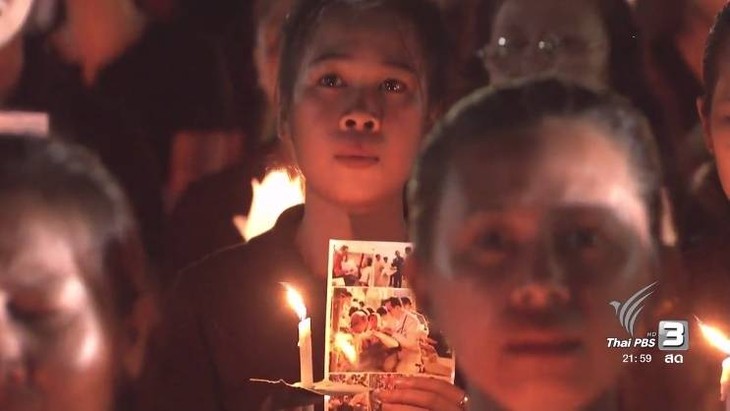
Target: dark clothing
{"x":202,"y":220}
{"x":83,"y":116}
{"x":227,"y":321}
{"x":170,"y":80}
{"x":397,"y":279}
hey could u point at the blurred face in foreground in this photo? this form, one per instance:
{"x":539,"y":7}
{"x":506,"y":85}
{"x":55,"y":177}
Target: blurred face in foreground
{"x":532,"y":241}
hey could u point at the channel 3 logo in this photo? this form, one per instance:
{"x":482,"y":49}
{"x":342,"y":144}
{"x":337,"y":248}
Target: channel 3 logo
{"x":673,"y":335}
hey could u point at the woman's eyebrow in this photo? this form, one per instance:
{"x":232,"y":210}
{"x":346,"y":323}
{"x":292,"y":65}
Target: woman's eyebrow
{"x":394,"y":63}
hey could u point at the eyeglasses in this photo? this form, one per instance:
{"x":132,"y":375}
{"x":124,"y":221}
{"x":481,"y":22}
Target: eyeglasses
{"x":507,"y":53}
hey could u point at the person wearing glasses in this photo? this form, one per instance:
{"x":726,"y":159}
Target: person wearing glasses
{"x":591,"y":42}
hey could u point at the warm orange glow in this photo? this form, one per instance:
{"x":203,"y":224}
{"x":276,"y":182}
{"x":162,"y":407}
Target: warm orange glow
{"x":345,"y":344}
{"x":715,"y":337}
{"x":295,"y":300}
{"x":725,"y":379}
{"x":277,"y":192}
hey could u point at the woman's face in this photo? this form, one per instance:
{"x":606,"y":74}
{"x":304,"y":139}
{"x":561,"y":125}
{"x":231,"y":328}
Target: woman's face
{"x":359,"y":108}
{"x":55,"y":349}
{"x":532,"y":243}
{"x":563,"y":38}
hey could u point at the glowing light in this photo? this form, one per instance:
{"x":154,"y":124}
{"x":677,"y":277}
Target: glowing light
{"x":715,"y":337}
{"x":277,"y":192}
{"x":295,"y":300}
{"x":720,"y":341}
{"x":344,"y":343}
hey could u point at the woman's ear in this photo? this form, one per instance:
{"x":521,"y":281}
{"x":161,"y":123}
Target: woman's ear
{"x":705,"y":121}
{"x":136,"y":333}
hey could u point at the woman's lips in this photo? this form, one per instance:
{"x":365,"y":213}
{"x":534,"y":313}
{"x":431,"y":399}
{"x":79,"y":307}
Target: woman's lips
{"x":357,"y":160}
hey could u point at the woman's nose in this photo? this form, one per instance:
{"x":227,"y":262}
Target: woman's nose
{"x":543,"y":284}
{"x":539,"y":295}
{"x":363,"y":111}
{"x":361,"y":121}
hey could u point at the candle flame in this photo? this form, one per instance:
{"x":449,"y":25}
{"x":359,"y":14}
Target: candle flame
{"x":295,"y":300}
{"x":344,"y":343}
{"x":715,"y":337}
{"x":277,"y":192}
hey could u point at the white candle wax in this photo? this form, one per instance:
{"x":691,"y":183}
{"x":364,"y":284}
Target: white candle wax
{"x":305,"y":352}
{"x":725,"y":383}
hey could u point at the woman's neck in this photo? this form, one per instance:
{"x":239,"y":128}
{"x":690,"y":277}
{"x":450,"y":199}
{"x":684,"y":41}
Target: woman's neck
{"x":324,"y":220}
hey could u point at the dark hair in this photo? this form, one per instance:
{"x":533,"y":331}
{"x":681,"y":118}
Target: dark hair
{"x":423,"y":15}
{"x":64,"y":178}
{"x":495,"y":114}
{"x":381,"y":311}
{"x":395,"y":302}
{"x":406,"y":301}
{"x":714,"y":46}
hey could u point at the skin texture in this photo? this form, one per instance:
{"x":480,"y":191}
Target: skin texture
{"x":359,"y":108}
{"x":716,"y":123}
{"x":56,"y":351}
{"x":583,"y":56}
{"x":532,"y":242}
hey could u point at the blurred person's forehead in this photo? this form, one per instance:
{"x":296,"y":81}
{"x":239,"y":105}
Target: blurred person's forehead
{"x":560,"y":163}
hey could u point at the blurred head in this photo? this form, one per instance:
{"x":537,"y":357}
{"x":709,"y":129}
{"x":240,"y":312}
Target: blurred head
{"x":593,"y":42}
{"x":359,"y":84}
{"x":535,"y":206}
{"x":73,"y":319}
{"x":358,"y":321}
{"x":714,"y":106}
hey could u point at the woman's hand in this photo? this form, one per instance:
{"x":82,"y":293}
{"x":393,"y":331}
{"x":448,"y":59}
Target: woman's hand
{"x":420,"y":393}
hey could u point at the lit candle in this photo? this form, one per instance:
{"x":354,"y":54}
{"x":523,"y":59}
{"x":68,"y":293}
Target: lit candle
{"x":721,"y":342}
{"x":725,"y":383}
{"x":305,"y":336}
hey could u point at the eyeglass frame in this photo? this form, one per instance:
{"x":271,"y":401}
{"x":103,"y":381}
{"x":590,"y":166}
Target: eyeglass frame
{"x":548,"y":46}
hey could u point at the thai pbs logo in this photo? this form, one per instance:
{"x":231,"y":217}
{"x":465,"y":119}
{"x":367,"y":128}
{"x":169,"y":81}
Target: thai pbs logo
{"x":670,"y":335}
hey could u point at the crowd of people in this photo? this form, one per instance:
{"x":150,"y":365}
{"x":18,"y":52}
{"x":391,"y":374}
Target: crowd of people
{"x":386,"y":338}
{"x":365,"y":270}
{"x":544,"y":158}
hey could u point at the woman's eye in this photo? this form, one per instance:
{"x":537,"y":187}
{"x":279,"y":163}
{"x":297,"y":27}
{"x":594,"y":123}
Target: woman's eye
{"x":33,"y":315}
{"x":490,"y":249}
{"x":493,"y":241}
{"x":331,"y":81}
{"x":393,"y":86}
{"x":583,"y":240}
